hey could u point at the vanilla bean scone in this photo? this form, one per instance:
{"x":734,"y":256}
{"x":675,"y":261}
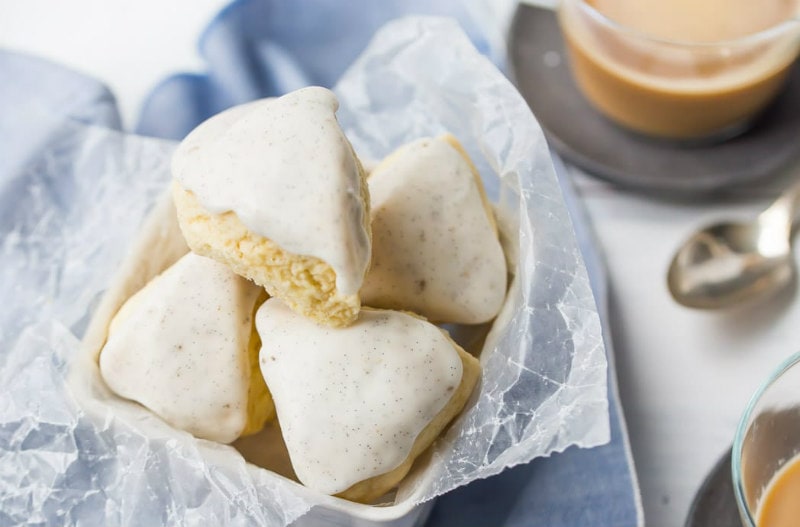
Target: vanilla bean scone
{"x":274,"y":190}
{"x":185,"y":347}
{"x":357,"y":405}
{"x":435,"y":246}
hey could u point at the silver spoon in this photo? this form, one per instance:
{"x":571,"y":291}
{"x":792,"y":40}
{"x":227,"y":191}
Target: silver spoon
{"x":728,"y":263}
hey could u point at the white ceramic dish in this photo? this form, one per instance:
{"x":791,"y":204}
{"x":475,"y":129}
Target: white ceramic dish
{"x":159,"y":245}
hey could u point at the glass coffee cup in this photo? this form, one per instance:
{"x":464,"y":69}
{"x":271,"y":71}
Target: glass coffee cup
{"x":672,"y":88}
{"x":765,"y":458}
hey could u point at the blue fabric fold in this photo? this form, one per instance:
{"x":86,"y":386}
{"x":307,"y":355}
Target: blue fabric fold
{"x":264,"y":48}
{"x":36,"y":98}
{"x":257,"y":48}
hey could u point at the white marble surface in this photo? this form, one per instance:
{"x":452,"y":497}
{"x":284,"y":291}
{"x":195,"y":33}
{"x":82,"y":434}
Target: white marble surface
{"x":685,"y":376}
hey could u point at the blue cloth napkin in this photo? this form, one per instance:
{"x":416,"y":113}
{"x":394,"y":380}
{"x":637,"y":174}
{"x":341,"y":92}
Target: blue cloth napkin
{"x":260,"y":48}
{"x":34,"y":87}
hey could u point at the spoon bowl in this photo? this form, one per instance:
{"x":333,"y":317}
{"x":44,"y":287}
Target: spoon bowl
{"x":726,"y":264}
{"x":722,"y":266}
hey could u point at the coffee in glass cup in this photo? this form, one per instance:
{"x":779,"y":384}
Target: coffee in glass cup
{"x":765,"y":458}
{"x":681,"y":69}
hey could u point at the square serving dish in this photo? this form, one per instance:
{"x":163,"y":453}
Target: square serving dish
{"x":159,"y":245}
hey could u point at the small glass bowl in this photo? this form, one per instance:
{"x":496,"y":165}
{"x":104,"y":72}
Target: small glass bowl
{"x":768,"y":437}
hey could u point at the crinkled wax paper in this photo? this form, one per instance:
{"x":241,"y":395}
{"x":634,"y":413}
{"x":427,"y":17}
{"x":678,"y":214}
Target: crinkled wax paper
{"x":68,"y":226}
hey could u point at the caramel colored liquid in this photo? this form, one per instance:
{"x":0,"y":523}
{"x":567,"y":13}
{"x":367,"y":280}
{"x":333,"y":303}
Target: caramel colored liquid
{"x":697,"y":20}
{"x":780,"y":504}
{"x":683,"y":91}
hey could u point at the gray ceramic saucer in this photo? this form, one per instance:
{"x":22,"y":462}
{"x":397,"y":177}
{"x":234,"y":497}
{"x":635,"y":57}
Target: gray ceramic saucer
{"x":592,"y":142}
{"x":714,"y":504}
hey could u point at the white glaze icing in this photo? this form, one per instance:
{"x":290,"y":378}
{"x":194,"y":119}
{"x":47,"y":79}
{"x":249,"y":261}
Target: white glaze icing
{"x":288,"y":172}
{"x":179,"y":347}
{"x":351,"y":401}
{"x":435,"y":250}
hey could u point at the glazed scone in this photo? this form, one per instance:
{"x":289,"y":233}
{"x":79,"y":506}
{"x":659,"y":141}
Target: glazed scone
{"x":185,"y":347}
{"x":274,"y":190}
{"x":435,"y":248}
{"x":358,"y":404}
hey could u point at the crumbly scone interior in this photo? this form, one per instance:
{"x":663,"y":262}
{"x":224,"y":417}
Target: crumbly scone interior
{"x":275,"y":190}
{"x":260,"y":407}
{"x":305,"y":283}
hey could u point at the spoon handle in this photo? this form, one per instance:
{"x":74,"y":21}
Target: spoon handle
{"x":782,"y":214}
